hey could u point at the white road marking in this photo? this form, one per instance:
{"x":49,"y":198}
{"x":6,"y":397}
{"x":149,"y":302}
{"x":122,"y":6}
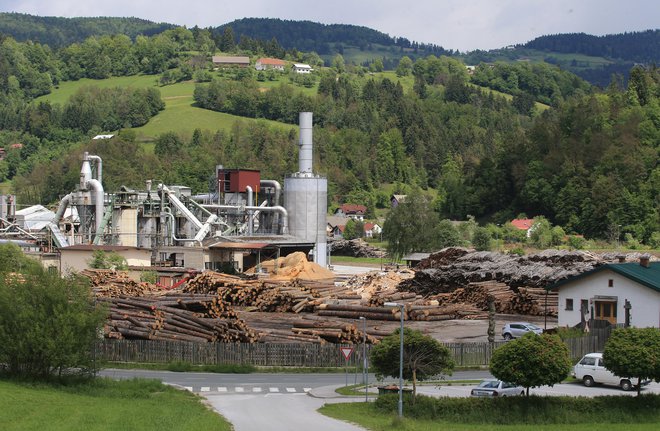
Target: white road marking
{"x":188,"y":388}
{"x":274,"y":389}
{"x":222,"y":389}
{"x":256,"y":389}
{"x":205,"y":389}
{"x":239,"y":389}
{"x":290,"y":390}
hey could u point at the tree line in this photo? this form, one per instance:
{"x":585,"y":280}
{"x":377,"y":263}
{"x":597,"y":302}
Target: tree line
{"x":588,"y":164}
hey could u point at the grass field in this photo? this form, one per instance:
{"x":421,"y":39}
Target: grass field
{"x":179,"y":115}
{"x":103,"y":405}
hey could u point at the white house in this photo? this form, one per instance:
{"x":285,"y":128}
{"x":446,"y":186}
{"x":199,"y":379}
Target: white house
{"x":270,"y":63}
{"x":302,"y":68}
{"x":604,"y":292}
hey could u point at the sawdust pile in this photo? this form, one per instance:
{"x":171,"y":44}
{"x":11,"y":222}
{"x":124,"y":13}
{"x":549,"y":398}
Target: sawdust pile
{"x":295,"y":266}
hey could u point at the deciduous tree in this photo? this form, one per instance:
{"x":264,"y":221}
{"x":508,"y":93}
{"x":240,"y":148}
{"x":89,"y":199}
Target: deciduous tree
{"x":532,"y":361}
{"x":634,"y":352}
{"x":423,"y":357}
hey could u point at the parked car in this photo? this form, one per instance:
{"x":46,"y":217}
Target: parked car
{"x":518,"y":329}
{"x":496,"y":388}
{"x":591,"y":370}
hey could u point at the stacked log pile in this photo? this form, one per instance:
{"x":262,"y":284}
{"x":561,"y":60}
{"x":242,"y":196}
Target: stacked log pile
{"x":111,"y":283}
{"x":185,"y":317}
{"x":452,"y":268}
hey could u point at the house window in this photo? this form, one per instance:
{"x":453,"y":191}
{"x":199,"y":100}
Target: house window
{"x":569,"y":304}
{"x":610,"y":283}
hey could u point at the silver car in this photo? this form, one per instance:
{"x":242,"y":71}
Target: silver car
{"x":496,"y":388}
{"x":518,"y":329}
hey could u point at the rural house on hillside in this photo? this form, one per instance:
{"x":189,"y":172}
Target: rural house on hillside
{"x":270,"y":63}
{"x":302,"y":68}
{"x":228,"y":61}
{"x":354,"y":211}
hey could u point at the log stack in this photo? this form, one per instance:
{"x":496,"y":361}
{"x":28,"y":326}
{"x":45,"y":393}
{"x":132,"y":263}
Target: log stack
{"x":110,"y":283}
{"x":198,"y":318}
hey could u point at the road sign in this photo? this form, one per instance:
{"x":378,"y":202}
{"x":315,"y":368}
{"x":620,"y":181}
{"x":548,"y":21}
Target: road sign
{"x":346,"y":351}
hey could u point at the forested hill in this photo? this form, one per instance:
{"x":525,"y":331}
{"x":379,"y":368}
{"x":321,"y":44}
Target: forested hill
{"x":58,"y":32}
{"x":314,"y":36}
{"x":640,"y":47}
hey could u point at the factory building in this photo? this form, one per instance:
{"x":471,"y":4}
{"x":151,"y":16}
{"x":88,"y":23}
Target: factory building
{"x":243,"y":221}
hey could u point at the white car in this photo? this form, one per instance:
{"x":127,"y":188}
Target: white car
{"x":518,"y":329}
{"x":496,"y":388}
{"x":591,"y":369}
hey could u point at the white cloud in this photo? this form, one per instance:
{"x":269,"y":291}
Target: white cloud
{"x":455,"y":24}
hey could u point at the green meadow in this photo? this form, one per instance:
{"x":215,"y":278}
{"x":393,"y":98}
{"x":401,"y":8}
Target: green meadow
{"x":103,"y":404}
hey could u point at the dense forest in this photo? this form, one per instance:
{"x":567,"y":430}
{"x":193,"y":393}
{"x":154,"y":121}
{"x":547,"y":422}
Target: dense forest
{"x":57,"y":32}
{"x":639,"y":47}
{"x":322,"y":38}
{"x":589,"y":162}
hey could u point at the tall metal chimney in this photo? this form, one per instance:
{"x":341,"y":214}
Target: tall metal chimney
{"x":305,"y":155}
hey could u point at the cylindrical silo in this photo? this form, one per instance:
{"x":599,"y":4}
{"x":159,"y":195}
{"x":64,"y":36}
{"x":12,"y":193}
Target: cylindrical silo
{"x":305,"y":196}
{"x":305,"y":199}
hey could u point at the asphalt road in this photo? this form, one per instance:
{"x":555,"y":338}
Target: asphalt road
{"x":289,"y":402}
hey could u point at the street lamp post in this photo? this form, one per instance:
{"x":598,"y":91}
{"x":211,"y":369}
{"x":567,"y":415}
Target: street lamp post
{"x":366,"y":360}
{"x":396,"y":304}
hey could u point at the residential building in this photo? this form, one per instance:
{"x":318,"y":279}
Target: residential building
{"x":229,"y":61}
{"x":270,"y":63}
{"x":525,"y":224}
{"x":618,"y":293}
{"x":302,"y":68}
{"x":356,"y":212}
{"x":395,"y":200}
{"x":372,"y":230}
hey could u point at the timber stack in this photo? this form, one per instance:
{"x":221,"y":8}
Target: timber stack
{"x":184,"y":317}
{"x":111,"y":283}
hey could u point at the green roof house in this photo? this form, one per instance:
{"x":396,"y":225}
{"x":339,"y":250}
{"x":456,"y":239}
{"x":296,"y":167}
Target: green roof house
{"x":603,"y":293}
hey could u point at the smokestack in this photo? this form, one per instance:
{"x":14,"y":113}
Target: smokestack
{"x":305,"y":154}
{"x":644,"y":260}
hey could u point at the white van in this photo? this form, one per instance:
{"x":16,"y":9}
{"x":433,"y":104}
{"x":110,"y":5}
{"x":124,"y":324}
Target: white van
{"x":591,"y":369}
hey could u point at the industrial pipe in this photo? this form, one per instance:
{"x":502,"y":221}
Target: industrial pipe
{"x":279,"y":209}
{"x":168,"y":212}
{"x":305,"y":154}
{"x":276,"y":185}
{"x":99,"y":167}
{"x":98,"y":202}
{"x":250,"y":203}
{"x":181,"y":207}
{"x":64,"y":203}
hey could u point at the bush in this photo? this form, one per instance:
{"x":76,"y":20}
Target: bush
{"x":47,"y":324}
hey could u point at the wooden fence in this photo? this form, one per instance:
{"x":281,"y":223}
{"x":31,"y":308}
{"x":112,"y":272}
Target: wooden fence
{"x":299,"y":355}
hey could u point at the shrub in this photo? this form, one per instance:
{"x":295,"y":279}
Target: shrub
{"x":47,"y":324}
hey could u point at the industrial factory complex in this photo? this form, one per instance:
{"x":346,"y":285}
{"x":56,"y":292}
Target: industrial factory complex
{"x":241,"y":222}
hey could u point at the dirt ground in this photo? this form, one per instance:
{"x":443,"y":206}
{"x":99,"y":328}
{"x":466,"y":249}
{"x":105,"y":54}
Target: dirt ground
{"x":446,"y":331}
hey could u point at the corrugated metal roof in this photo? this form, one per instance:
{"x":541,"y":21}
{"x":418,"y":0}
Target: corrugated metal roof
{"x":646,"y":276}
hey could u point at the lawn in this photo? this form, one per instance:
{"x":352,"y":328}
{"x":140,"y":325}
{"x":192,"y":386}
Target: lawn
{"x":103,"y":404}
{"x":367,"y":416}
{"x":179,"y":115}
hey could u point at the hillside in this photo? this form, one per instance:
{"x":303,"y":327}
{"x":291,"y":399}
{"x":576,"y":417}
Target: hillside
{"x":593,"y":58}
{"x":58,"y":32}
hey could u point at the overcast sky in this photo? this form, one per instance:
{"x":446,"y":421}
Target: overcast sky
{"x":453,"y":24}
